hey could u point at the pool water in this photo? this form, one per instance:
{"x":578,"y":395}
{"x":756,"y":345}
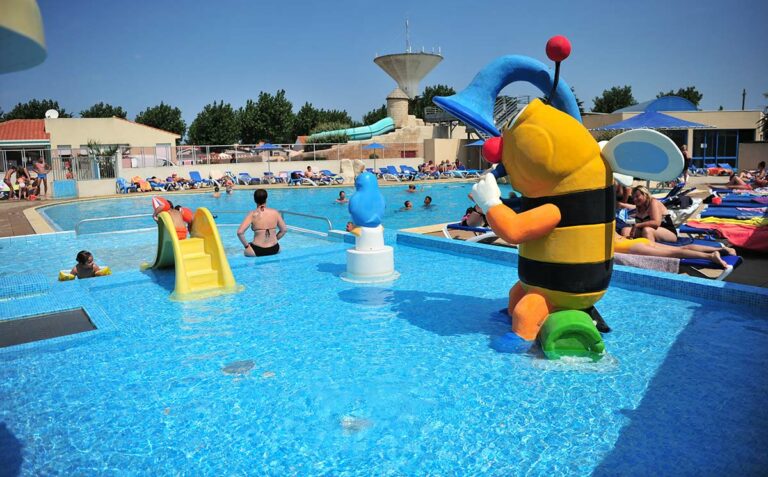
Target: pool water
{"x":449,"y":203}
{"x":306,"y":374}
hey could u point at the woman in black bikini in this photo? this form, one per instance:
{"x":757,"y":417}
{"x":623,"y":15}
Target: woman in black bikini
{"x":263,"y":221}
{"x":652,"y":218}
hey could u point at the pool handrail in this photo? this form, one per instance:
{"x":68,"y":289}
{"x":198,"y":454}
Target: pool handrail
{"x":216,"y":213}
{"x":101,"y":219}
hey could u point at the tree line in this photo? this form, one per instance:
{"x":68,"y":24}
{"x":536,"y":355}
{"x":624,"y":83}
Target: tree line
{"x":271,"y":118}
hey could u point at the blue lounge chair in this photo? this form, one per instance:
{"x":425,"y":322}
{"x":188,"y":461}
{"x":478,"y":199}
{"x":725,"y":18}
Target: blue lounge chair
{"x":298,"y":178}
{"x":330,"y":177}
{"x":377,"y":174}
{"x":198,"y":181}
{"x":733,"y":261}
{"x":271,"y":178}
{"x":124,"y":187}
{"x":389,"y":176}
{"x":245,"y":179}
{"x":413,"y":172}
{"x":482,"y":234}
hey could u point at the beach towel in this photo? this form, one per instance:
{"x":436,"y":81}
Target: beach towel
{"x":750,"y":237}
{"x":661,"y":264}
{"x":753,"y":221}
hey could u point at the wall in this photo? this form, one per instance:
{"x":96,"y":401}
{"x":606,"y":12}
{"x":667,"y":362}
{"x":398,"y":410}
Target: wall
{"x":750,"y":153}
{"x":95,"y":188}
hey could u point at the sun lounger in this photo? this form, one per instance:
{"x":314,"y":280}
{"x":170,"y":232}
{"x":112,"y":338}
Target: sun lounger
{"x":389,"y":176}
{"x":245,"y":179}
{"x":198,"y":181}
{"x":141,"y":184}
{"x":482,"y":234}
{"x":330,"y":177}
{"x":124,"y":187}
{"x":298,"y":178}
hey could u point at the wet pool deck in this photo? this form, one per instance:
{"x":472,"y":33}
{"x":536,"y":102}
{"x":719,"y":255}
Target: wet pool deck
{"x":17,"y":218}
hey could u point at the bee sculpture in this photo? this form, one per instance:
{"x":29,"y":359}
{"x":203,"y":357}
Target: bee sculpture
{"x":565,"y":227}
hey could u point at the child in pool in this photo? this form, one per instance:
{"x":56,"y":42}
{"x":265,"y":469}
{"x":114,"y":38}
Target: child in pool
{"x":85,"y":267}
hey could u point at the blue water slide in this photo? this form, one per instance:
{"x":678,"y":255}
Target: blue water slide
{"x":363,"y":132}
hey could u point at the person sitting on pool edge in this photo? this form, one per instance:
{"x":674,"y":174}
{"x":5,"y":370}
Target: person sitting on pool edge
{"x":263,"y":221}
{"x":181,"y":217}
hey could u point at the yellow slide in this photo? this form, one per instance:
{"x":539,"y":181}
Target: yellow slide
{"x":202,"y":269}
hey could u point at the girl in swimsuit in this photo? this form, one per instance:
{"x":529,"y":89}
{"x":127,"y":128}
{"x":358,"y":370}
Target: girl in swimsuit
{"x":643,"y":246}
{"x":653,"y":221}
{"x":264,"y":222}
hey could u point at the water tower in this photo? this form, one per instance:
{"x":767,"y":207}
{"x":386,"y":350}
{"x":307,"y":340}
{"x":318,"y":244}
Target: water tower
{"x":407,"y":69}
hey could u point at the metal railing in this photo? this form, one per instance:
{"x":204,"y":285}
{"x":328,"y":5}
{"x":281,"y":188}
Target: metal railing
{"x":103,"y":219}
{"x":282,"y":212}
{"x":216,"y":214}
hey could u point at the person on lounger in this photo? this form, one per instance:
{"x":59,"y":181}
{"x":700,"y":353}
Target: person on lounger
{"x":652,"y":219}
{"x":268,"y":228}
{"x":643,"y":246}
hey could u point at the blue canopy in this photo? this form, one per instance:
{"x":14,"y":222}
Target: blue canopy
{"x":374,"y":145}
{"x":651,"y":120}
{"x":478,"y":143}
{"x":267,"y":147}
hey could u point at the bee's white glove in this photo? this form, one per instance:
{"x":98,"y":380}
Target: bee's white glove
{"x":486,"y":192}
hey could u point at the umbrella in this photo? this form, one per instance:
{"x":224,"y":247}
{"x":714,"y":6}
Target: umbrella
{"x":267,"y":147}
{"x":651,"y":120}
{"x":478,"y":143}
{"x":374,"y":145}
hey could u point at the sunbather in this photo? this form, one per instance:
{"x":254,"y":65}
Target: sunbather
{"x":652,"y":220}
{"x":643,"y":246}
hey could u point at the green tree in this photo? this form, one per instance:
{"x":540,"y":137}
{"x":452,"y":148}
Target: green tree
{"x":103,"y":110}
{"x":35,"y":109}
{"x":270,"y":118}
{"x":2,"y":115}
{"x":375,"y":115}
{"x":165,"y":117}
{"x":612,"y":99}
{"x":305,"y":121}
{"x":416,"y":106}
{"x":690,"y":93}
{"x":215,"y":124}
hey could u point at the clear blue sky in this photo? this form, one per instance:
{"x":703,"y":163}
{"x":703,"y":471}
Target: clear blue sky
{"x":188,"y":54}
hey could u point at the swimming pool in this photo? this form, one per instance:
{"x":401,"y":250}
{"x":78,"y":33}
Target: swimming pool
{"x":306,"y":374}
{"x":449,"y":203}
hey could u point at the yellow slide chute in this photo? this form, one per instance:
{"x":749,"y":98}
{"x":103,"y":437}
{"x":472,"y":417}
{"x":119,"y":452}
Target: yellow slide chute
{"x":202,"y":269}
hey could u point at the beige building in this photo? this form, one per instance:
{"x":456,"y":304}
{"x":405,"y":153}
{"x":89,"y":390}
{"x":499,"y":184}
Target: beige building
{"x":719,"y":143}
{"x":67,"y":139}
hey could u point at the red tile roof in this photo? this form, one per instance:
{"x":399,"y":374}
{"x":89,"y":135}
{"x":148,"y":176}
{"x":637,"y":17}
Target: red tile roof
{"x":23,"y":129}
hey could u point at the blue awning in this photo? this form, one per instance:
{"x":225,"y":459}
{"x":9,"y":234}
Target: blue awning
{"x":651,"y":120}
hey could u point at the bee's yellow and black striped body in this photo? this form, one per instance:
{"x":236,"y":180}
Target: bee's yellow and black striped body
{"x":572,"y":265}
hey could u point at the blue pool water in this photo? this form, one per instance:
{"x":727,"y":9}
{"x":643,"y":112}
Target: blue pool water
{"x":449,"y":203}
{"x":306,"y":374}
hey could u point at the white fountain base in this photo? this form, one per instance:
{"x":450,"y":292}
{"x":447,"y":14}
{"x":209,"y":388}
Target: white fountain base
{"x":370,"y":266}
